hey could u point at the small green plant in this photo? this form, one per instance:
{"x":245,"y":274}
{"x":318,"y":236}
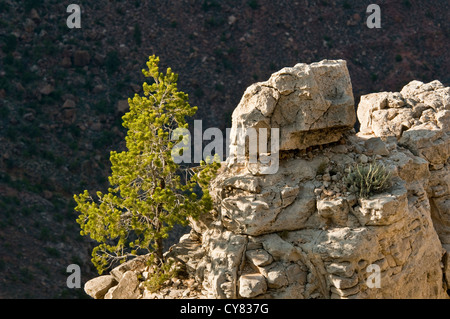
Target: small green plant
{"x":368,"y":179}
{"x":158,"y":276}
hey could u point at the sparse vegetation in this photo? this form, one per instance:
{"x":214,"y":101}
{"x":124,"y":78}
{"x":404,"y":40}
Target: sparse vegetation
{"x":158,"y":276}
{"x":368,"y":179}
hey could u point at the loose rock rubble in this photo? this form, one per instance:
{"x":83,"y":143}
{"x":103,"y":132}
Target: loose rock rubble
{"x":301,"y":233}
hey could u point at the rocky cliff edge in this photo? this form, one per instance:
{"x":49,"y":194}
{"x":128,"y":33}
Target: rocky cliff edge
{"x":302,"y":232}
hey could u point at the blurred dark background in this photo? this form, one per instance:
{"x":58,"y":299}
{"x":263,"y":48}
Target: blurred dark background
{"x":63,"y":92}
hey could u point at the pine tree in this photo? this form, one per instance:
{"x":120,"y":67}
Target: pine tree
{"x":149,"y":193}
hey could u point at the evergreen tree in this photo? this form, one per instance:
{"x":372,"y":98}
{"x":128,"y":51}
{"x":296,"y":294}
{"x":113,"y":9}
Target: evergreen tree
{"x":149,"y":193}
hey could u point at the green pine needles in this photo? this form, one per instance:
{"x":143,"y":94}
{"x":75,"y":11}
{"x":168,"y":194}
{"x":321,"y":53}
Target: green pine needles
{"x":149,"y":193}
{"x":368,"y":179}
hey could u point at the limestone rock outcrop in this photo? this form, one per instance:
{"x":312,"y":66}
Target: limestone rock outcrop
{"x":419,"y":117}
{"x":310,"y":104}
{"x":301,"y":232}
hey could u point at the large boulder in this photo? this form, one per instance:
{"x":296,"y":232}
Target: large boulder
{"x":311,"y":104}
{"x":128,"y":287}
{"x":99,"y":286}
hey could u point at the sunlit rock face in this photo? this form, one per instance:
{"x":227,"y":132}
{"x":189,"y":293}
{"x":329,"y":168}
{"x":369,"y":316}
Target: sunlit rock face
{"x":300,"y":232}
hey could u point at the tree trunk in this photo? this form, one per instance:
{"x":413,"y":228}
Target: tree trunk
{"x":159,"y":249}
{"x":159,"y":240}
